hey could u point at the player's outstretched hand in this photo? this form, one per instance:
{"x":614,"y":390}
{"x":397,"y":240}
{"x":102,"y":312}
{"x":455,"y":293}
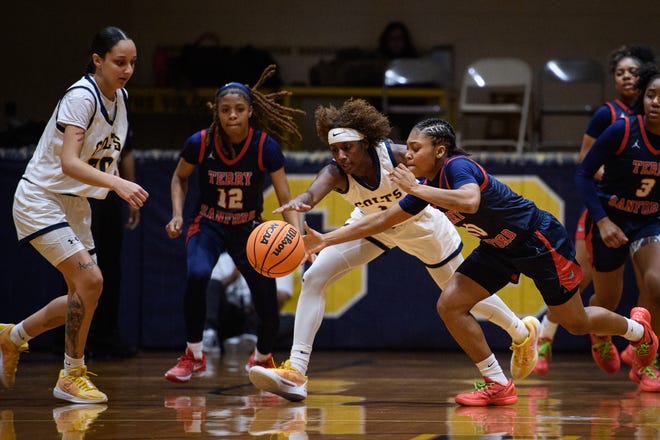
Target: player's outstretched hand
{"x":314,"y":242}
{"x":293,"y":205}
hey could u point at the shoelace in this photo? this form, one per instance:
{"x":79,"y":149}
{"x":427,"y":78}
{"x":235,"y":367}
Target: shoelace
{"x":603,"y":348}
{"x":482,"y":386}
{"x":84,"y":383}
{"x":648,"y":371}
{"x":544,"y":349}
{"x":642,"y":349}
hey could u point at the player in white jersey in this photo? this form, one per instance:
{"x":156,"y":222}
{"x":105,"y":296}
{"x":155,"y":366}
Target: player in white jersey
{"x":76,"y":158}
{"x":360,"y":171}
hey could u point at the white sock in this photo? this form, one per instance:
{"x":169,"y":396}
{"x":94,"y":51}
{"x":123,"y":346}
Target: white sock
{"x":635,"y":330}
{"x":491,"y":369}
{"x":300,"y":354}
{"x":496,"y":311}
{"x":196,"y":349}
{"x":18,"y":335}
{"x":548,"y":328}
{"x":260,"y":357}
{"x":71,"y":363}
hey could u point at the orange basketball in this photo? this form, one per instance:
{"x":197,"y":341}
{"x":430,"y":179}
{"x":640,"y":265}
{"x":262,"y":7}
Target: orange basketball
{"x":275,"y":248}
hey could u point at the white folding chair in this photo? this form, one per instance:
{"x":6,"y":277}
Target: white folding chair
{"x":495,"y":87}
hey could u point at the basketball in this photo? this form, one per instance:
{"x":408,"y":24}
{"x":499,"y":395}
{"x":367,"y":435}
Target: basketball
{"x":275,"y":248}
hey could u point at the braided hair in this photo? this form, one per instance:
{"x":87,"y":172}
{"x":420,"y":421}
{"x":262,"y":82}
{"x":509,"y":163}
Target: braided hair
{"x":268,"y":115}
{"x":357,"y":114}
{"x":441,"y":133}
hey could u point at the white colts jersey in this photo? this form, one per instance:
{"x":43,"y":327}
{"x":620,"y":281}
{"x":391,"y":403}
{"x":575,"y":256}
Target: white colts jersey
{"x":428,"y":235}
{"x":384,"y":194}
{"x":105,"y":136}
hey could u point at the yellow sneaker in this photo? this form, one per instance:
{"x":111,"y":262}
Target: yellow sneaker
{"x":9,"y":354}
{"x":77,"y":387}
{"x":525,"y":354}
{"x":76,"y":419}
{"x":284,"y":381}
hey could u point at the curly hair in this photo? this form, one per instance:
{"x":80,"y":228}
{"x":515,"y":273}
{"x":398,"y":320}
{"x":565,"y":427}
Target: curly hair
{"x":357,"y":114}
{"x":644,"y":54}
{"x":268,"y":115}
{"x":648,"y":72}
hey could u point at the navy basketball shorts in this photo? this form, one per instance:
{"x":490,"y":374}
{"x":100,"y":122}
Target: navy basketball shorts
{"x":547,"y":256}
{"x":638,"y":230}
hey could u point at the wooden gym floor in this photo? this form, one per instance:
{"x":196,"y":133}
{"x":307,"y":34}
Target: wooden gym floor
{"x":356,"y":394}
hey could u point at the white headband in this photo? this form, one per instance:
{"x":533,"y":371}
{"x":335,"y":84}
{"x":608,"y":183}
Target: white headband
{"x":340,"y":134}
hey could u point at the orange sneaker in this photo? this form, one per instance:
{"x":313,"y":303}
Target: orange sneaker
{"x":626,"y":355}
{"x":605,"y":353}
{"x":645,"y":349}
{"x":544,"y":348}
{"x":489,"y":392}
{"x":252,"y":362}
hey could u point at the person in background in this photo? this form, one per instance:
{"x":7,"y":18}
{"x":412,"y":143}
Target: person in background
{"x":515,"y":237}
{"x":234,"y":155}
{"x":76,"y":159}
{"x":363,"y":161}
{"x":624,"y":62}
{"x":108,"y":224}
{"x":623,"y":212}
{"x":230,"y":317}
{"x":395,"y":42}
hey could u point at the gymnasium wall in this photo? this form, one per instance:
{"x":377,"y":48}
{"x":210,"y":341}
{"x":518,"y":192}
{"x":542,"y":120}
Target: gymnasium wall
{"x":390,"y":303}
{"x":46,"y":42}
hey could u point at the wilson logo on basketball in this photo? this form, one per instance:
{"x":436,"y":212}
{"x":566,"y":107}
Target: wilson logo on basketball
{"x":285,"y":241}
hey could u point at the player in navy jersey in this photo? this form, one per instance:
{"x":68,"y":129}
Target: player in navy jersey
{"x":363,"y":159}
{"x":624,"y":209}
{"x":76,"y":158}
{"x":624,"y":63}
{"x":515,"y":237}
{"x":234,"y":155}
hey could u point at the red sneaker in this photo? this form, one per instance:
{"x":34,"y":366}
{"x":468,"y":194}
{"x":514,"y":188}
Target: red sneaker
{"x":252,"y":362}
{"x":648,"y":378}
{"x":645,"y":349}
{"x":185,"y":367}
{"x":605,"y":353}
{"x":627,"y":355}
{"x":494,"y":420}
{"x":544,"y":347}
{"x":489,"y":393}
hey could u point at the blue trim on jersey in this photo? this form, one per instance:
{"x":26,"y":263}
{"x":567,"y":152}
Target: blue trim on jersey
{"x":104,"y":112}
{"x":449,"y":258}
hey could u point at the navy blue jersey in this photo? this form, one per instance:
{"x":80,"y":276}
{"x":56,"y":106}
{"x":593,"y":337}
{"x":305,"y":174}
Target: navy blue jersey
{"x":503,"y":216}
{"x":631,"y":159}
{"x":605,"y":116}
{"x":231,"y":190}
